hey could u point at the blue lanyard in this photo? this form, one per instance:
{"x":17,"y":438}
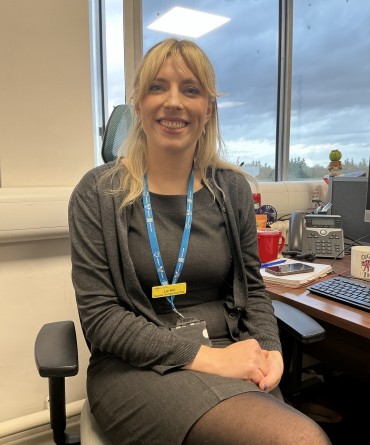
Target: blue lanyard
{"x":157,"y":258}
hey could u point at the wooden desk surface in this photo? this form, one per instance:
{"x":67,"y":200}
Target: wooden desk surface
{"x":347,"y":342}
{"x":323,"y":309}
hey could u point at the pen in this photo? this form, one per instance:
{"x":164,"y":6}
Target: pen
{"x":272,"y":263}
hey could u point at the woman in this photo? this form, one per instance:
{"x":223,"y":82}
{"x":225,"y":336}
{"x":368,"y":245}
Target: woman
{"x":165,"y":264}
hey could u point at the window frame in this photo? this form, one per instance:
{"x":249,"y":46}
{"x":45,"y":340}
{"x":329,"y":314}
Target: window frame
{"x":133,"y":52}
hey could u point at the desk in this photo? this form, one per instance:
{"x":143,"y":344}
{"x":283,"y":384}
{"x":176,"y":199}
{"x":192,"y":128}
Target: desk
{"x":347,"y":342}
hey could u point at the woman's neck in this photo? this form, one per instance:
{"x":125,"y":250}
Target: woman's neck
{"x":171,"y":178}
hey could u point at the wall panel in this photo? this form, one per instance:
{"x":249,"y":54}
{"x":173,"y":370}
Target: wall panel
{"x":45,"y":94}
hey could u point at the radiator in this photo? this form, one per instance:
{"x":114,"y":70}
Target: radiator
{"x":26,"y":426}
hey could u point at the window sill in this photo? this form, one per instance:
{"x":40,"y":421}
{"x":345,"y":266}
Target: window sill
{"x":29,"y":214}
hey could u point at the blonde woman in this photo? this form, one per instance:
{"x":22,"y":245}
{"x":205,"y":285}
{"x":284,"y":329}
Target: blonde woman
{"x":184,"y":342}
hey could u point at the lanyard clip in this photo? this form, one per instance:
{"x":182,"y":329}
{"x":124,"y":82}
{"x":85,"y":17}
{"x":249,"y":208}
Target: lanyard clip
{"x":177,"y":312}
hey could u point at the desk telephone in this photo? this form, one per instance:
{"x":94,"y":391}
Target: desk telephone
{"x":321,"y":235}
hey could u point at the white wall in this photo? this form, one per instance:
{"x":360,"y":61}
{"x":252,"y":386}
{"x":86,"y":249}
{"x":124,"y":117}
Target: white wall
{"x":35,"y":289}
{"x":45,"y":92}
{"x":287,"y":196}
{"x":46,"y":141}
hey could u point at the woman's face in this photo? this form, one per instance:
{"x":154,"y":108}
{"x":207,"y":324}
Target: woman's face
{"x":175,"y":110}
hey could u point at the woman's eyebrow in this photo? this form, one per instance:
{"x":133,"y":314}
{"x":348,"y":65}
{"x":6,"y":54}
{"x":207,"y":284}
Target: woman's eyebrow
{"x":193,"y":80}
{"x":160,"y":79}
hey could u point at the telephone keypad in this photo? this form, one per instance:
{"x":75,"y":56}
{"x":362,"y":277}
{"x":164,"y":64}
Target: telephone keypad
{"x":323,"y":242}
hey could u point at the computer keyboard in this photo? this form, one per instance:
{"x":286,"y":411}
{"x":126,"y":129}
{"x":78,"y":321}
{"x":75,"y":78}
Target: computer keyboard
{"x":345,"y":290}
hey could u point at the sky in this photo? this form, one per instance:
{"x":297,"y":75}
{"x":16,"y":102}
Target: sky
{"x":330,"y":80}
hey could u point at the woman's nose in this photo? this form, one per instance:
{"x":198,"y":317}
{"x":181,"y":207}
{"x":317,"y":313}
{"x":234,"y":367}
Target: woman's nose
{"x":173,"y":99}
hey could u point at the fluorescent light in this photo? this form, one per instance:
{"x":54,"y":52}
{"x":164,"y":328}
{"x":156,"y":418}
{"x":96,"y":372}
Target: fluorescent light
{"x":187,"y":22}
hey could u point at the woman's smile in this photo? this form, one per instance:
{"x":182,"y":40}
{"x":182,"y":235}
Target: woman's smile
{"x":172,"y":126}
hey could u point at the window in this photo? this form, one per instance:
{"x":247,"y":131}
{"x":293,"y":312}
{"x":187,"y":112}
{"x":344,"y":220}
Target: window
{"x":329,"y":89}
{"x":114,"y":56}
{"x":107,"y":63}
{"x":330,"y":86}
{"x":244,"y":54}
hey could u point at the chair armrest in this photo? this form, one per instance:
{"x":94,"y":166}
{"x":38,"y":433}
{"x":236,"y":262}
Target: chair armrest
{"x":56,"y":352}
{"x":300,"y":325}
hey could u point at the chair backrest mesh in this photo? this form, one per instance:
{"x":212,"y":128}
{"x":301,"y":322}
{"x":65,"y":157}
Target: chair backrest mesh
{"x":116,"y":131}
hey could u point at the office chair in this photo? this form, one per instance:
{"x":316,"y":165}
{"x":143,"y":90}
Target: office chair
{"x":116,"y":131}
{"x":56,"y":353}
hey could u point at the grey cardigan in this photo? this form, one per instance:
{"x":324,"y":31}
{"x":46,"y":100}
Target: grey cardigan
{"x":116,"y":315}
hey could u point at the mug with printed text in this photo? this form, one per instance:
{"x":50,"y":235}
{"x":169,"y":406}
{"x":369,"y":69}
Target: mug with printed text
{"x":270,"y":244}
{"x":360,"y":262}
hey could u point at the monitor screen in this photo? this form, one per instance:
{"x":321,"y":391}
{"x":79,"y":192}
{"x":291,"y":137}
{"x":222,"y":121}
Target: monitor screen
{"x":349,"y":196}
{"x":367,"y":210}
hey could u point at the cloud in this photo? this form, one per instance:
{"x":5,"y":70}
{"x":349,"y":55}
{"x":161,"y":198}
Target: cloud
{"x":230,"y":104}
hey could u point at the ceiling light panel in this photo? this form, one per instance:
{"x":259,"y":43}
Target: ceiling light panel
{"x":187,"y":22}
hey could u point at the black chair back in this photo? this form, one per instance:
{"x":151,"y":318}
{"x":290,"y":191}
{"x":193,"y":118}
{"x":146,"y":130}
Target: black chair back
{"x":116,"y":131}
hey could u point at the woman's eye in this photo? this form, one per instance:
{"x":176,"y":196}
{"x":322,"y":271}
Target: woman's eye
{"x":155,"y":87}
{"x":192,"y":90}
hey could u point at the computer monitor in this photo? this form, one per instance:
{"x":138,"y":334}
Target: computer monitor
{"x":349,"y":197}
{"x":367,"y":209}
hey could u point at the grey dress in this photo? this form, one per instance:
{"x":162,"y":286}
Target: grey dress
{"x":150,"y":399}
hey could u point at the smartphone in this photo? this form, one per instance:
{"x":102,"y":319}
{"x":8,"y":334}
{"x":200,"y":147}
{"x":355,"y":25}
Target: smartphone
{"x":289,"y":269}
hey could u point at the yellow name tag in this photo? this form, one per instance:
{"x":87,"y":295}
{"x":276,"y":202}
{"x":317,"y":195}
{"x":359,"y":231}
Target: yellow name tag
{"x":169,"y":290}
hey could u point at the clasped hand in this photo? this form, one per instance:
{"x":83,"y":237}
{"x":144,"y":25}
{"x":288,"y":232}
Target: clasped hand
{"x":242,"y":360}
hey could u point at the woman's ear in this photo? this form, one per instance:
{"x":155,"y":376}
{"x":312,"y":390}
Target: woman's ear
{"x":137,"y":111}
{"x":209,"y":110}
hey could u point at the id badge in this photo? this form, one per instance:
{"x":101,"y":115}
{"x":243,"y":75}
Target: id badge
{"x":192,"y":329}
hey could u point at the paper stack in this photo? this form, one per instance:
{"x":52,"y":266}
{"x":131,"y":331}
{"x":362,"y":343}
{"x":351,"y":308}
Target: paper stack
{"x":297,"y":280}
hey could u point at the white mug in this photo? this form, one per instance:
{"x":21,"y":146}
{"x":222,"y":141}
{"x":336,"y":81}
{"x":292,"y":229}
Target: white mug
{"x":360,"y":262}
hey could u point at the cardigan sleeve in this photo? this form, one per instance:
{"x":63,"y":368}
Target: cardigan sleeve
{"x":112,"y":320}
{"x":256,"y":319}
{"x":259,"y":320}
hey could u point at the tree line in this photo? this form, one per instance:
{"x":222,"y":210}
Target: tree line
{"x":299,"y":170}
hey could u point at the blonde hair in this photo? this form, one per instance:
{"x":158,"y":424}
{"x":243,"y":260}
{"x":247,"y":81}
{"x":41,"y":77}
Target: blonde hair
{"x":210,"y":145}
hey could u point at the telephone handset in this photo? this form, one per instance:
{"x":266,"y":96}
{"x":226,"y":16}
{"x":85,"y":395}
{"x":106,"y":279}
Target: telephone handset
{"x":295,"y":232}
{"x":317,"y":234}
